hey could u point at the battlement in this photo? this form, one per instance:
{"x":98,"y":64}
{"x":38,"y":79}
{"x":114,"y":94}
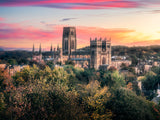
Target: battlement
{"x":100,"y":40}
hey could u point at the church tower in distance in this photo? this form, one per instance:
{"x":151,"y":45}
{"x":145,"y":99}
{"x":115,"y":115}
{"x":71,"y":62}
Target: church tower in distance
{"x":100,"y":52}
{"x":69,"y":42}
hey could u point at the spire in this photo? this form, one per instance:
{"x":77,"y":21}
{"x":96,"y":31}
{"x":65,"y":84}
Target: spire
{"x":33,"y":49}
{"x":40,"y":49}
{"x":58,"y":47}
{"x":51,"y":48}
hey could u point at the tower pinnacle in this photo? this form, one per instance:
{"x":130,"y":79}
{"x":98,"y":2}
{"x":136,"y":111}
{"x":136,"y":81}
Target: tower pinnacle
{"x":51,"y":48}
{"x":40,"y":49}
{"x":33,"y":49}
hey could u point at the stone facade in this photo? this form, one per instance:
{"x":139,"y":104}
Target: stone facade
{"x":100,"y":51}
{"x":118,"y":63}
{"x":98,"y":54}
{"x":69,"y":42}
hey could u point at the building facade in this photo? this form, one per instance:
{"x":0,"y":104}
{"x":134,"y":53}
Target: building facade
{"x":98,"y":53}
{"x":69,"y":41}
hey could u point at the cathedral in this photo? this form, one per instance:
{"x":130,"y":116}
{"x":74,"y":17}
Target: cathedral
{"x":97,"y":55}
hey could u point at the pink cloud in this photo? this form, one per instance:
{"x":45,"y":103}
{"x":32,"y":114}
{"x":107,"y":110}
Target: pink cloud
{"x":2,"y":19}
{"x":74,"y":4}
{"x":18,"y":32}
{"x":18,"y":35}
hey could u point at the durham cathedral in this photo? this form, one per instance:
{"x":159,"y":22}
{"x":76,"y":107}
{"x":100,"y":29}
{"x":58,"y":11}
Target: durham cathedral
{"x":97,"y":55}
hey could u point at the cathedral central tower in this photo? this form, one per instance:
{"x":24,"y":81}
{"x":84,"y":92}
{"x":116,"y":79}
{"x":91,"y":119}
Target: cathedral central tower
{"x":69,"y":42}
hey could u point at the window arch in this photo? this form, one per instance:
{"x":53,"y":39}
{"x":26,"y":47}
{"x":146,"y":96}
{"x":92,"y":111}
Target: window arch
{"x":104,"y":60}
{"x":66,"y":45}
{"x":72,"y":44}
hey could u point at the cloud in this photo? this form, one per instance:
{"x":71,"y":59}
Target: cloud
{"x":144,"y":43}
{"x":2,"y":19}
{"x":66,"y":19}
{"x":73,"y":4}
{"x":11,"y":31}
{"x":82,"y":4}
{"x":16,"y":35}
{"x":155,"y":11}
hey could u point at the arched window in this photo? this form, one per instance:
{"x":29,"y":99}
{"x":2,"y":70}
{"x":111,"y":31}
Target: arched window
{"x":66,"y":44}
{"x":104,"y":60}
{"x":72,"y":44}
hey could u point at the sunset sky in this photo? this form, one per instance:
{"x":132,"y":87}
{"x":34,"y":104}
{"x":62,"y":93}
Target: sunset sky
{"x":127,"y":22}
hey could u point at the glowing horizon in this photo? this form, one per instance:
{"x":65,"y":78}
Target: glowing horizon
{"x":128,"y":22}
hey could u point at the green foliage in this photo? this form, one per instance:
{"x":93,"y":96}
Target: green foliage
{"x":150,"y":83}
{"x":95,"y":98}
{"x":113,"y":80}
{"x":128,"y":106}
{"x":156,"y":69}
{"x":68,"y":92}
{"x":50,"y":64}
{"x":19,"y":56}
{"x":69,"y":62}
{"x":134,"y":60}
{"x":12,"y":62}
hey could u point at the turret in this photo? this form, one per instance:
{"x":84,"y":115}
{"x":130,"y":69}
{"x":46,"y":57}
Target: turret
{"x":40,"y":49}
{"x":33,"y":49}
{"x":51,"y":48}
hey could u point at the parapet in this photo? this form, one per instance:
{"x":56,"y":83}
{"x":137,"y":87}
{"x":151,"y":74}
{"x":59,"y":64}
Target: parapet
{"x":100,"y":40}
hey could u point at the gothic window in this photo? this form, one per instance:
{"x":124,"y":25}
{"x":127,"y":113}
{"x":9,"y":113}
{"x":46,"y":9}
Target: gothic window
{"x":72,"y":44}
{"x":66,"y":44}
{"x":103,"y":46}
{"x":72,"y":33}
{"x":92,"y":52}
{"x":104,"y":60}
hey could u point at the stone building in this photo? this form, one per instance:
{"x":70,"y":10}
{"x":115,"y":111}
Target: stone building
{"x":69,"y":42}
{"x":98,"y":53}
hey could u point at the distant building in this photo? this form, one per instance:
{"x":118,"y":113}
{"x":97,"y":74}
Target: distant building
{"x":2,"y":66}
{"x":99,"y":53}
{"x":118,"y":63}
{"x":69,"y":41}
{"x":157,"y":98}
{"x":147,"y":68}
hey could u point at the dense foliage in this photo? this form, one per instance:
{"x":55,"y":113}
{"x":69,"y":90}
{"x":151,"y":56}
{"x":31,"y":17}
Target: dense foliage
{"x":134,"y":53}
{"x":71,"y":93}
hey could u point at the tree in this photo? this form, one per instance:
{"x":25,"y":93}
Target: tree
{"x":12,"y":62}
{"x":113,"y":80}
{"x":126,"y":105}
{"x":150,"y":83}
{"x":69,"y":62}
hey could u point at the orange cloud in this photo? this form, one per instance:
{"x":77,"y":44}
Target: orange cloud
{"x":144,"y":43}
{"x":17,"y":35}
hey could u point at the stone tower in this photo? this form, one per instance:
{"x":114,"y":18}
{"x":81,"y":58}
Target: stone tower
{"x":33,"y":50}
{"x":40,"y":52}
{"x":100,"y":52}
{"x":69,"y":42}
